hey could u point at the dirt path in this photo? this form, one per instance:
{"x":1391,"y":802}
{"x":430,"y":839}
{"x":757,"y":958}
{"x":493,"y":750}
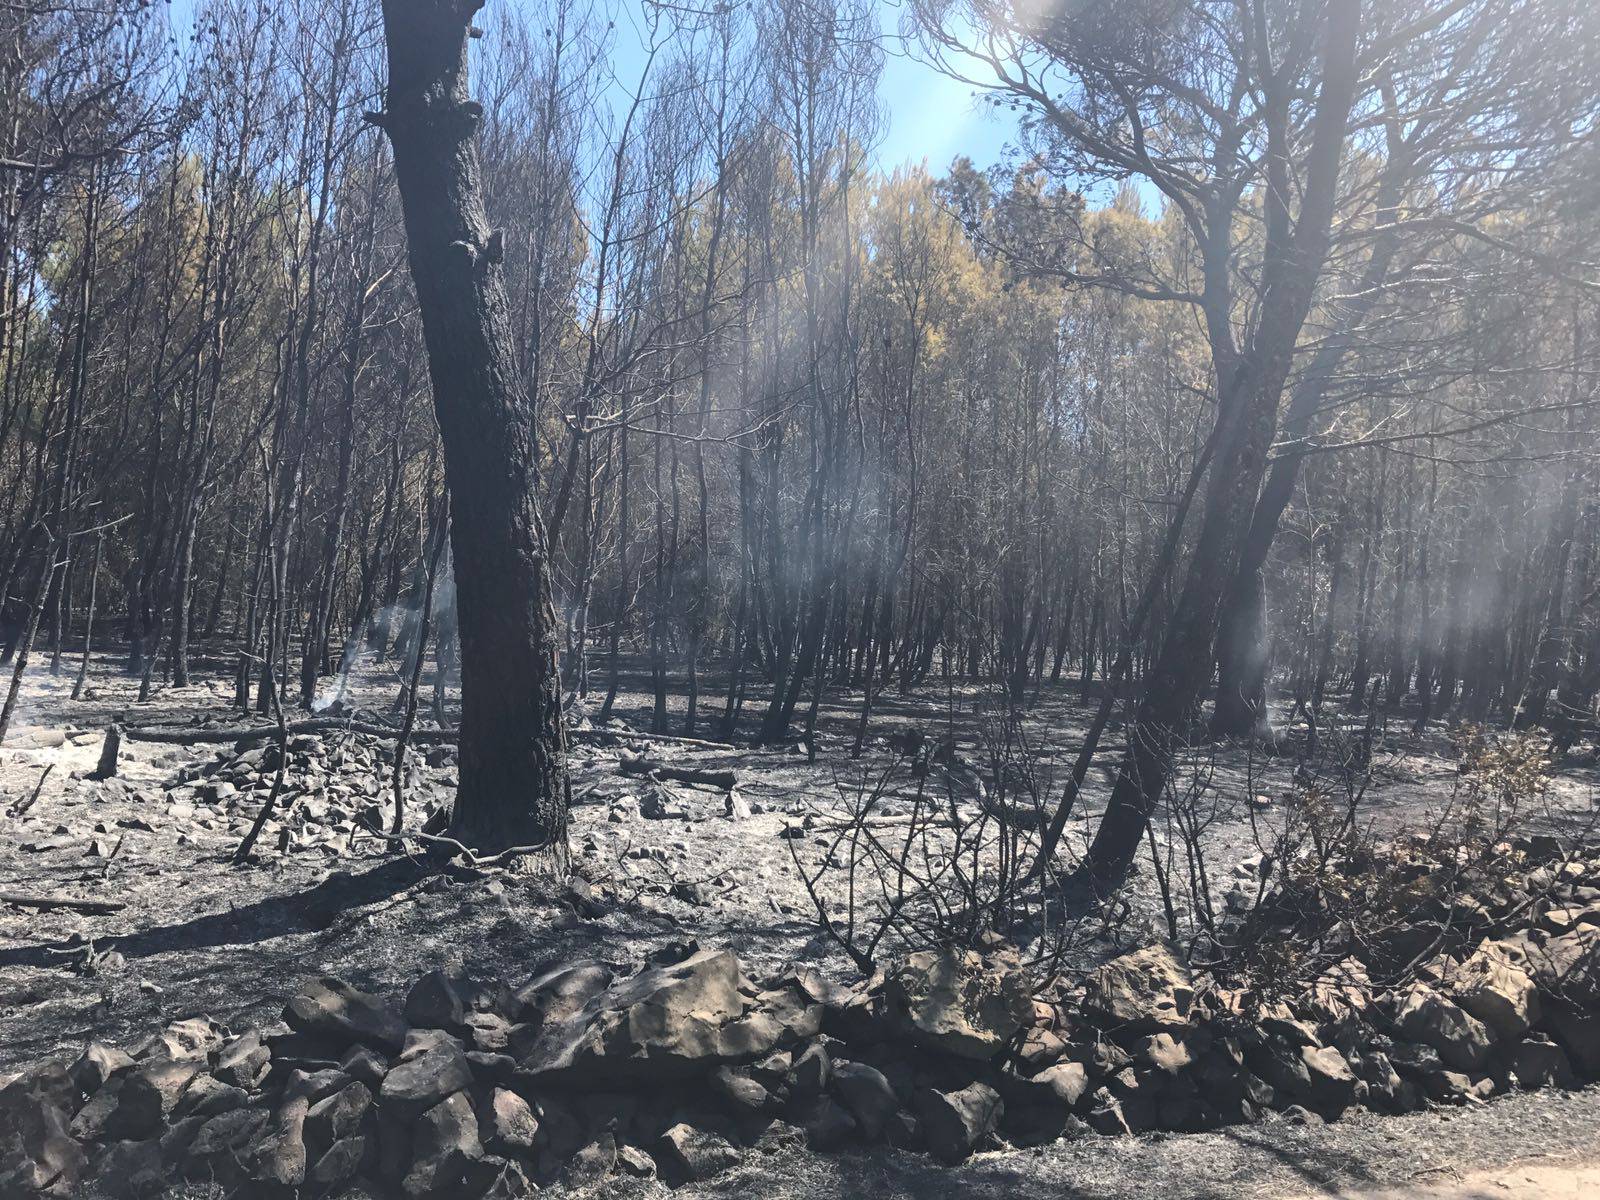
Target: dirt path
{"x":1529,"y":1181}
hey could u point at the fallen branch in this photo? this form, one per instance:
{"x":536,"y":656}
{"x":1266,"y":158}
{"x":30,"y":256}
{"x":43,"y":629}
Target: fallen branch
{"x":615,"y":737}
{"x":49,"y":901}
{"x":22,"y":806}
{"x":437,"y":840}
{"x":649,"y":768}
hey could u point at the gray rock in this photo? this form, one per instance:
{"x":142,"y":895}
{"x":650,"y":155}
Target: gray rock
{"x":1106,"y":1115}
{"x":207,"y":1096}
{"x":904,"y":1131}
{"x":509,"y":1123}
{"x":1040,"y":1048}
{"x":738,"y":1090}
{"x":1577,"y":1030}
{"x":1138,"y":1090}
{"x":1067,"y":1082}
{"x":1537,"y":1062}
{"x":686,"y":1153}
{"x":337,"y":1117}
{"x":149,"y":1094}
{"x":316,"y":1085}
{"x":955,"y":1123}
{"x":92,"y":1119}
{"x":1500,"y":994}
{"x":37,"y":1150}
{"x":222,"y":1142}
{"x":1164,"y":1052}
{"x":562,"y":1130}
{"x":1098,"y":1055}
{"x":635,"y":1162}
{"x":244,"y":1061}
{"x":193,"y":1039}
{"x":593,"y":1161}
{"x":178,"y":1136}
{"x":961,"y":1002}
{"x":416,"y":1084}
{"x":278,"y":1162}
{"x":332,"y":1009}
{"x":561,"y":994}
{"x":365,"y":1066}
{"x":97,"y":1065}
{"x":445,"y":1145}
{"x":1463,"y":1041}
{"x":865,"y":1091}
{"x":1568,"y":964}
{"x":772,"y":1072}
{"x":811,"y":1073}
{"x":488,"y":1032}
{"x":1281,"y":1067}
{"x":669,"y":1022}
{"x":339,"y":1163}
{"x":828,"y":1125}
{"x":1334,"y":1086}
{"x":1142,"y":991}
{"x":492,"y":1068}
{"x":434,"y":1002}
{"x":132,"y":1169}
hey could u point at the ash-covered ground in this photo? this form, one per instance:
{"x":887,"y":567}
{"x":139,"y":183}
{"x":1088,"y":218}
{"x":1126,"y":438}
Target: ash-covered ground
{"x":664,"y":861}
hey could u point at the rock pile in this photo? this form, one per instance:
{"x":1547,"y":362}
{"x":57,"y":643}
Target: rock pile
{"x":682,"y":1067}
{"x":334,"y":784}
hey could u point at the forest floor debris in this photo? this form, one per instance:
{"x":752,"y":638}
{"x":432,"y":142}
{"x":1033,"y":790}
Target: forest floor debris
{"x":662,"y":862}
{"x":681,"y":1067}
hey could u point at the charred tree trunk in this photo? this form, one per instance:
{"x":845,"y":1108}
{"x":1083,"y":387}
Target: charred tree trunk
{"x":1249,"y":392}
{"x":514,"y":789}
{"x":1242,"y":648}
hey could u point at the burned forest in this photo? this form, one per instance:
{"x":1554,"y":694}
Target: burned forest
{"x":800,"y":598}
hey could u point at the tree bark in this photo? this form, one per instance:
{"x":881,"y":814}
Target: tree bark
{"x":514,"y":787}
{"x":1249,"y":392}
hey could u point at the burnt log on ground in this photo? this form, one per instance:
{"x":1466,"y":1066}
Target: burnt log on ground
{"x":51,"y":900}
{"x":649,"y":768}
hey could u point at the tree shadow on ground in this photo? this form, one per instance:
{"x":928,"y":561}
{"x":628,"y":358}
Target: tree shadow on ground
{"x":309,"y":910}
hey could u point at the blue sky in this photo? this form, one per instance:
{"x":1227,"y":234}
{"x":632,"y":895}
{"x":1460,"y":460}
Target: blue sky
{"x":928,"y":116}
{"x":931,"y":116}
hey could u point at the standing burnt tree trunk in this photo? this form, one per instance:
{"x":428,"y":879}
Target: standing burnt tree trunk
{"x":514,"y":788}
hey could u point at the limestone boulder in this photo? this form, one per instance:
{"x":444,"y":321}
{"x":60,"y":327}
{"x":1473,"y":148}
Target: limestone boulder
{"x":686,"y":1152}
{"x":150,"y":1093}
{"x":330,"y":1008}
{"x":38,"y":1154}
{"x":668,"y":1022}
{"x":434,"y":1069}
{"x":957,"y":1122}
{"x":1426,"y":1016}
{"x":1496,"y":991}
{"x":865,"y":1092}
{"x":1141,"y":992}
{"x":961,"y":1002}
{"x":445,"y":1145}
